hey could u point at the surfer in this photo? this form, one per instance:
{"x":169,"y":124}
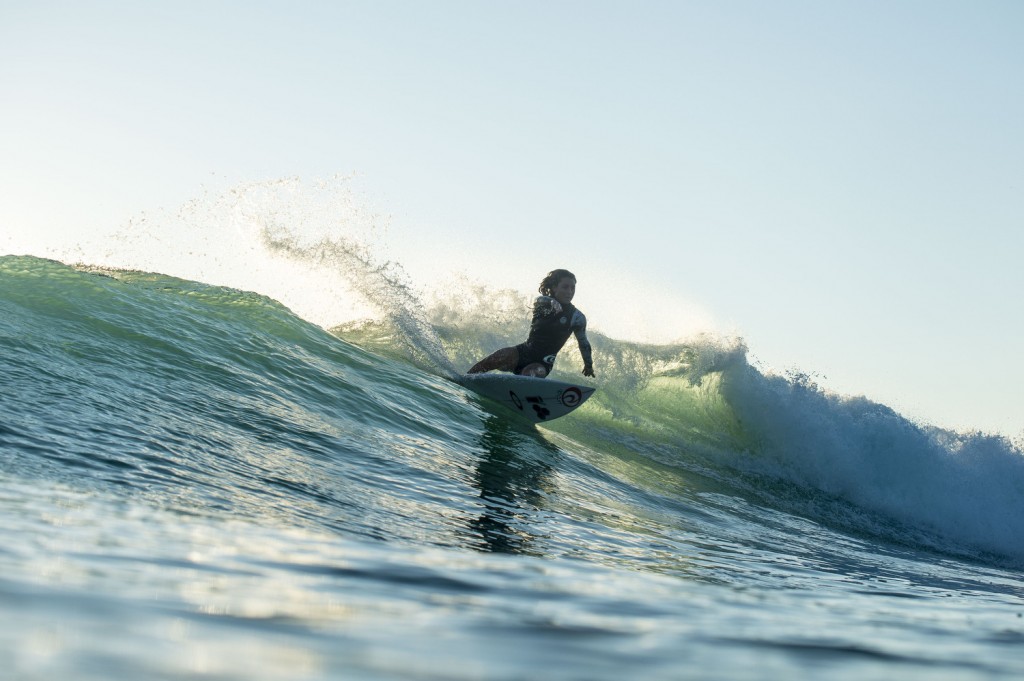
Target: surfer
{"x":554,"y":320}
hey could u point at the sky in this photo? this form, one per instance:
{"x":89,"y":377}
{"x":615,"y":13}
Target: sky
{"x":840,"y":183}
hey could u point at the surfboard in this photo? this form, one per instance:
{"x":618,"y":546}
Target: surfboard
{"x":537,"y":399}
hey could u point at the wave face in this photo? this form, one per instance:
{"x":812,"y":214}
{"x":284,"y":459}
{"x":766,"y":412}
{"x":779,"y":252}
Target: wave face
{"x":198,"y":481}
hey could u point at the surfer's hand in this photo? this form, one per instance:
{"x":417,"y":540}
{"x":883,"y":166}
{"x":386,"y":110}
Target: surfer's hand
{"x":556,"y":306}
{"x":588,"y":370}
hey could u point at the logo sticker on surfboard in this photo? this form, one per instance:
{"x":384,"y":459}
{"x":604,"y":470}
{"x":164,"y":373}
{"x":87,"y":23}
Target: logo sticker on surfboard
{"x":571,"y":397}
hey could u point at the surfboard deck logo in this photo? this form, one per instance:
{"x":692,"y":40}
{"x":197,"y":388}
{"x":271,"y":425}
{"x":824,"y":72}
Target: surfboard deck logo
{"x":538,"y":399}
{"x":571,"y":397}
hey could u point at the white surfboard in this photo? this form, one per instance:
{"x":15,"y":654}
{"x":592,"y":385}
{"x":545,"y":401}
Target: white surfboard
{"x":538,"y":399}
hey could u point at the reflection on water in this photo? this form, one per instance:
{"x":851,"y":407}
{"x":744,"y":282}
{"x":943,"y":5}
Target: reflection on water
{"x":513,"y":477}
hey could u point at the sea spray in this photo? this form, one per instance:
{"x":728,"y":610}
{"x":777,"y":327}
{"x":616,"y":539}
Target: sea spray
{"x":218,"y":238}
{"x":384,"y":285}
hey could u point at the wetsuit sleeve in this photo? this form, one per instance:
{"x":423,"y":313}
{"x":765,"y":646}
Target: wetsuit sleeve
{"x":579,"y":328}
{"x":544,"y":306}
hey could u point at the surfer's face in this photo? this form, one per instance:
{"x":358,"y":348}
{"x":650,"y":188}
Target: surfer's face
{"x":564,"y":290}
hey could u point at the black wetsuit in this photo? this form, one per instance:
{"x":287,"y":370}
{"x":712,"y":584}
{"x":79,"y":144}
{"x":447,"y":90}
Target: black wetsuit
{"x":549,"y":331}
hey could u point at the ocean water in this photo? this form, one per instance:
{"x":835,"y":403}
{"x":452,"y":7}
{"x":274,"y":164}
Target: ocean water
{"x":197,"y":481}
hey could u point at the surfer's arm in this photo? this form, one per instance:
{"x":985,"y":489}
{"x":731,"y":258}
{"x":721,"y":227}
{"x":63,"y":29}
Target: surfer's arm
{"x":586,"y":351}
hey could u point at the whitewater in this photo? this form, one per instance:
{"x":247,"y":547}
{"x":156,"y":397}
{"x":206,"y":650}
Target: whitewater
{"x":231,"y":448}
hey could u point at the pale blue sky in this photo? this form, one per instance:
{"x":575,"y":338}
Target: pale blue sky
{"x":841,"y":183}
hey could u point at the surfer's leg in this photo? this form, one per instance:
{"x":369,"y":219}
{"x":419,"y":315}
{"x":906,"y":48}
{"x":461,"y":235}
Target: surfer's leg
{"x":502,"y":360}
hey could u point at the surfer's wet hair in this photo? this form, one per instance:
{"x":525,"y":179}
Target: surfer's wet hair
{"x":548,"y":284}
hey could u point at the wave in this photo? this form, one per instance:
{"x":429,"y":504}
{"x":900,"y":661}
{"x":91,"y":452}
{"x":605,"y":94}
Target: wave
{"x":696,"y":406}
